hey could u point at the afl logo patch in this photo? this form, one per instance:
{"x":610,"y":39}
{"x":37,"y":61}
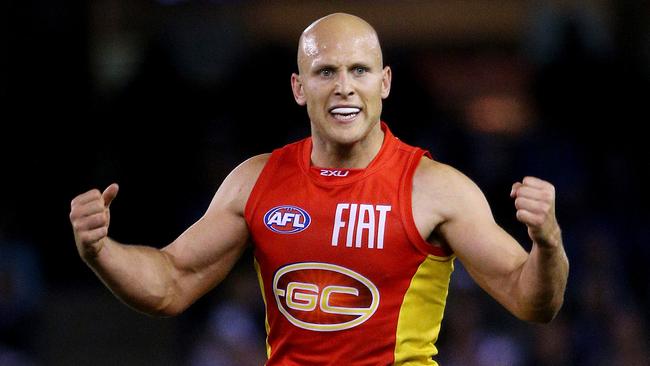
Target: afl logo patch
{"x":287,"y":219}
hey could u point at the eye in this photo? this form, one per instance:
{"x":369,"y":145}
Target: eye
{"x":360,"y":70}
{"x":326,"y":72}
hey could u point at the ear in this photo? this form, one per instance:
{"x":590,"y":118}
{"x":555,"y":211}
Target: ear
{"x":298,"y":92}
{"x":387,"y":76}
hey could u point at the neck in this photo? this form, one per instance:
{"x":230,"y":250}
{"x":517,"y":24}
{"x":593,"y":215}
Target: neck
{"x":355,"y":155}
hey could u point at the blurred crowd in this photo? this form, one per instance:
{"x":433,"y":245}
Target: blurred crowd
{"x":563,"y":103}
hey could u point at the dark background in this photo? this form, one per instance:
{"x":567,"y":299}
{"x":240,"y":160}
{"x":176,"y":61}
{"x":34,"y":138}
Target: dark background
{"x":167,"y":97}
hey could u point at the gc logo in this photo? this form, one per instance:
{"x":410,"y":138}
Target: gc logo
{"x":324,"y":297}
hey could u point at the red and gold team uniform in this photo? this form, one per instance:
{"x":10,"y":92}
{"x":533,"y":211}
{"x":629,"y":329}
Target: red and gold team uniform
{"x":346,"y":277}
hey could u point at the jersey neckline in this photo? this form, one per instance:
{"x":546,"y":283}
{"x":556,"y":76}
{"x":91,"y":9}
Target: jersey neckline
{"x":332,"y":176}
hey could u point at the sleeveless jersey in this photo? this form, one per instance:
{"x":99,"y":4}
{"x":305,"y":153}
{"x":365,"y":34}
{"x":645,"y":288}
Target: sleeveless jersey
{"x":345,"y":275}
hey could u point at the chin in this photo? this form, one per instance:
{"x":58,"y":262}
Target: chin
{"x":344,"y":132}
{"x":350,"y":134}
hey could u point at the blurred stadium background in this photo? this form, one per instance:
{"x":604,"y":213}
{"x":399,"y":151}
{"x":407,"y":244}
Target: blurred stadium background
{"x":166,"y":97}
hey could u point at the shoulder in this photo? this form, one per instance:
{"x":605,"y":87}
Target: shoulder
{"x":236,"y":188}
{"x":252,"y":167}
{"x":443,"y":188}
{"x":441,"y":177}
{"x":245,"y":174}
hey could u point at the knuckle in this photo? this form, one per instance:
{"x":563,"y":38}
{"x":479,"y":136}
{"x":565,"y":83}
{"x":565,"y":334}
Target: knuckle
{"x":548,"y":195}
{"x":84,"y":238}
{"x":520,"y":215}
{"x":518,"y":203}
{"x":528,"y":180}
{"x":100,"y":220}
{"x":545,"y":207}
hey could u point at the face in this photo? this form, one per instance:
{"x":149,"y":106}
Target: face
{"x":342,"y":83}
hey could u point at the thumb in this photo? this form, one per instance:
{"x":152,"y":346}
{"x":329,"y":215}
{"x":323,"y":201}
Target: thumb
{"x":515,"y":187}
{"x":109,"y":194}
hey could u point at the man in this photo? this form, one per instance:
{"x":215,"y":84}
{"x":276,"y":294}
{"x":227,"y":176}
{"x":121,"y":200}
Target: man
{"x":354,"y":232}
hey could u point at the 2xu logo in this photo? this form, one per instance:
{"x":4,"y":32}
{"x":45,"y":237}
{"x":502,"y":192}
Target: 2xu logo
{"x":334,"y":173}
{"x":287,"y":219}
{"x":324,"y":297}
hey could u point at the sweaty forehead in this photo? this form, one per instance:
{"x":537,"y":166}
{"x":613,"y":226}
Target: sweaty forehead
{"x":340,"y":34}
{"x":314,"y":43}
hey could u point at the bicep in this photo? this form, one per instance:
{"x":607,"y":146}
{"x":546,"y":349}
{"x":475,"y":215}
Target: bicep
{"x":491,"y":255}
{"x":484,"y":248}
{"x":204,"y":254}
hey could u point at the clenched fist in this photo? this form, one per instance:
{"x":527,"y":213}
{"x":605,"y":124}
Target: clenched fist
{"x":535,"y":203}
{"x":90,"y":217}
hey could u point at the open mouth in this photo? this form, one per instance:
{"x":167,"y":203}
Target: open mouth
{"x":345,"y":113}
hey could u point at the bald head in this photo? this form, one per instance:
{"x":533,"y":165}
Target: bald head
{"x":335,"y":31}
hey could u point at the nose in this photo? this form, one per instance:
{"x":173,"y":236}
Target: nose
{"x":343,"y":86}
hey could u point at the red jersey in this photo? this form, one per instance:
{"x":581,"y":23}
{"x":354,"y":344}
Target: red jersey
{"x":345,"y":275}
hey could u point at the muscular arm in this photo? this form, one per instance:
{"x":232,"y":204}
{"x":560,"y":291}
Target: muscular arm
{"x":450,"y":207}
{"x":166,"y":281}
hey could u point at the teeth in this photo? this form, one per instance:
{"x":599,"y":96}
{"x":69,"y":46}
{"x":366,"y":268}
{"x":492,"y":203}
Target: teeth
{"x":345,"y":110}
